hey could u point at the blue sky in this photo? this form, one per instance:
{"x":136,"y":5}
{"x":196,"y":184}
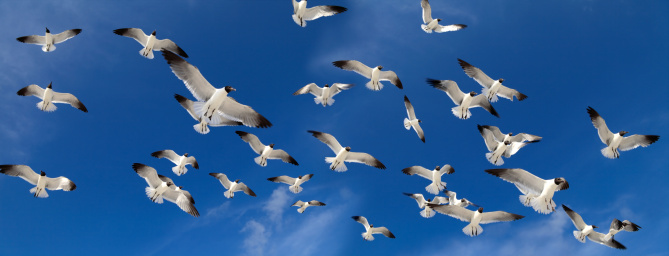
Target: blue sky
{"x":565,"y":55}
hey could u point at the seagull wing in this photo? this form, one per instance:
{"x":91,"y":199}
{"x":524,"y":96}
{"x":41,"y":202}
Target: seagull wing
{"x":236,"y":111}
{"x":328,"y":140}
{"x":33,"y":39}
{"x":359,"y":157}
{"x":354,"y":65}
{"x":478,"y":75}
{"x":31,"y":90}
{"x":575,"y":218}
{"x":457,"y":212}
{"x":427,"y":11}
{"x":285,"y":157}
{"x":498,"y":216}
{"x":169,"y":154}
{"x":69,"y":99}
{"x":421,"y":171}
{"x":489,"y":137}
{"x":322,"y":11}
{"x":481,"y":101}
{"x":191,"y":76}
{"x":409,"y":108}
{"x":390,"y":76}
{"x":148,"y":173}
{"x":134,"y":33}
{"x":181,"y":200}
{"x":604,"y":133}
{"x":222,"y":178}
{"x":167,"y":44}
{"x":65,"y":35}
{"x":450,"y":88}
{"x":382,"y":230}
{"x":634,"y":141}
{"x":22,"y":171}
{"x":310,"y":88}
{"x":521,"y":178}
{"x":599,"y":238}
{"x":253,"y":140}
{"x":506,"y":92}
{"x":60,"y":183}
{"x":283,"y":179}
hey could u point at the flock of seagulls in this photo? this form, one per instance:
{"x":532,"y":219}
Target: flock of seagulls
{"x":214,"y":107}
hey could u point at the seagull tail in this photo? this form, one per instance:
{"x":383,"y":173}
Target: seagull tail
{"x":151,"y":193}
{"x":407,"y":123}
{"x":41,"y":193}
{"x":374,"y":87}
{"x":295,"y":189}
{"x":579,"y":236}
{"x":260,"y":161}
{"x":424,"y":27}
{"x":229,"y":194}
{"x":457,"y":111}
{"x":50,"y":49}
{"x":542,"y":205}
{"x":494,"y":160}
{"x":145,"y":53}
{"x":48,"y":108}
{"x":427,"y":212}
{"x":610,"y":153}
{"x":472,"y":230}
{"x":201,"y":128}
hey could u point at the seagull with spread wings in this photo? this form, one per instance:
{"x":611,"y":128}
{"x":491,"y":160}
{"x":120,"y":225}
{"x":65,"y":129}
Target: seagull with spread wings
{"x":179,"y":160}
{"x":344,"y":154}
{"x":303,"y":205}
{"x":150,"y":42}
{"x":301,"y":14}
{"x":537,"y":192}
{"x":232,"y":186}
{"x":475,"y":218}
{"x":41,"y":181}
{"x":203,"y":126}
{"x":497,"y":148}
{"x":49,"y":97}
{"x":323,"y":95}
{"x":412,"y":121}
{"x":433,"y":24}
{"x":370,"y":230}
{"x":491,"y":88}
{"x":464,"y":101}
{"x":615,"y":142}
{"x":49,"y":40}
{"x":293,"y":182}
{"x":265,"y":151}
{"x":423,"y":203}
{"x":375,"y":74}
{"x":434,"y":176}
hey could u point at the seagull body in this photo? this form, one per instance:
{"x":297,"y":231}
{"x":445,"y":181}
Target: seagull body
{"x":537,"y":192}
{"x":375,"y":74}
{"x":49,"y":97}
{"x":303,"y":205}
{"x":180,"y":160}
{"x":203,"y":126}
{"x":344,"y":154}
{"x":41,"y":181}
{"x":453,"y":200}
{"x":491,"y":88}
{"x":232,"y":186}
{"x":49,"y":40}
{"x":433,"y":24}
{"x":301,"y":14}
{"x":464,"y":101}
{"x":150,"y":42}
{"x":293,"y":182}
{"x":497,"y":135}
{"x":475,"y":218}
{"x":370,"y":230}
{"x":424,"y":204}
{"x":210,"y":99}
{"x":265,"y":151}
{"x":412,"y":121}
{"x":323,"y":95}
{"x":505,"y":148}
{"x":615,"y":142}
{"x":434,"y":176}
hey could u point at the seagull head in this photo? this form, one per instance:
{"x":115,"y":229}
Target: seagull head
{"x":480,"y":210}
{"x":501,"y":80}
{"x":379,"y":67}
{"x":229,"y":89}
{"x":49,"y":85}
{"x":41,"y":173}
{"x":186,"y":155}
{"x":622,"y":133}
{"x":47,"y":30}
{"x":472,"y":94}
{"x":348,"y":148}
{"x":437,"y":168}
{"x":271,"y":145}
{"x":153,"y":33}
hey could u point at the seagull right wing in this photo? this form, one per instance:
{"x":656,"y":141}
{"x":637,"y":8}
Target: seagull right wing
{"x":134,"y":33}
{"x":427,"y":11}
{"x":354,"y":65}
{"x":450,"y":88}
{"x":191,"y":76}
{"x":599,"y":238}
{"x":222,"y":178}
{"x":457,"y":212}
{"x":421,"y":171}
{"x":328,"y":140}
{"x":253,"y":140}
{"x":604,"y":133}
{"x":521,"y":178}
{"x":22,"y":171}
{"x":169,"y":154}
{"x":499,"y":216}
{"x":283,"y":179}
{"x":31,"y":90}
{"x":478,"y":75}
{"x":575,"y":218}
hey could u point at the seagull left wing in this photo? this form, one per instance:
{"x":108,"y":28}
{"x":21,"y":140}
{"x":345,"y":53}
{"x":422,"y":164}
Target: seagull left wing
{"x":364,"y":158}
{"x":69,"y":99}
{"x":191,"y":76}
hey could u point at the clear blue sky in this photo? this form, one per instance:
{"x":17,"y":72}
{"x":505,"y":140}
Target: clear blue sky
{"x":565,"y":55}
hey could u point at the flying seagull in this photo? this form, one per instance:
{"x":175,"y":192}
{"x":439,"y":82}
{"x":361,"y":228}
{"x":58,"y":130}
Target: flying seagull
{"x":301,"y":14}
{"x":503,"y":137}
{"x":41,"y":181}
{"x":370,"y":230}
{"x":49,"y":40}
{"x":150,"y":42}
{"x":537,"y":192}
{"x":323,"y":95}
{"x":475,"y":217}
{"x":615,"y":142}
{"x":210,"y":99}
{"x":375,"y":74}
{"x":265,"y":152}
{"x":464,"y":101}
{"x":303,"y":205}
{"x":453,"y":200}
{"x":434,"y":176}
{"x":433,"y":24}
{"x":427,"y":211}
{"x":412,"y":121}
{"x":491,"y":88}
{"x":344,"y":154}
{"x":497,"y":148}
{"x":179,"y":160}
{"x":203,"y":126}
{"x":48,"y":97}
{"x":232,"y":186}
{"x":293,"y":182}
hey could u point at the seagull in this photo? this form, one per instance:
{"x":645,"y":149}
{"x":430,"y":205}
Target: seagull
{"x":41,"y":181}
{"x":370,"y":230}
{"x":537,"y":192}
{"x":203,"y":126}
{"x":344,"y":154}
{"x":180,"y":161}
{"x":210,"y":99}
{"x":293,"y":182}
{"x":475,"y":217}
{"x":303,"y":205}
{"x":48,"y":41}
{"x":48,"y":97}
{"x":433,"y":24}
{"x":453,"y":200}
{"x":427,"y":211}
{"x":615,"y":142}
{"x":265,"y":152}
{"x":150,"y":42}
{"x":412,"y":121}
{"x":301,"y":14}
{"x":583,"y":229}
{"x":433,"y":175}
{"x":375,"y":74}
{"x":158,"y":184}
{"x":232,"y":186}
{"x":503,"y":137}
{"x":323,"y":95}
{"x":491,"y":88}
{"x":464,"y":101}
{"x":498,"y":149}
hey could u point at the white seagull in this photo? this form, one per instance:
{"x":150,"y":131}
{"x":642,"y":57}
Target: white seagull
{"x":503,"y":137}
{"x":453,"y":200}
{"x":265,"y":152}
{"x":537,"y":192}
{"x":370,"y":230}
{"x":375,"y":74}
{"x":344,"y":154}
{"x":323,"y":95}
{"x":41,"y":181}
{"x":583,"y":229}
{"x":303,"y":205}
{"x":497,"y":148}
{"x":293,"y":182}
{"x":49,"y":40}
{"x":150,"y":42}
{"x":464,"y":101}
{"x":491,"y":88}
{"x":434,"y":176}
{"x":179,"y":160}
{"x":210,"y":99}
{"x":203,"y":126}
{"x":412,"y":121}
{"x":475,"y":217}
{"x":427,"y":211}
{"x":301,"y":14}
{"x":433,"y":24}
{"x":232,"y":186}
{"x":615,"y":142}
{"x":49,"y":97}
